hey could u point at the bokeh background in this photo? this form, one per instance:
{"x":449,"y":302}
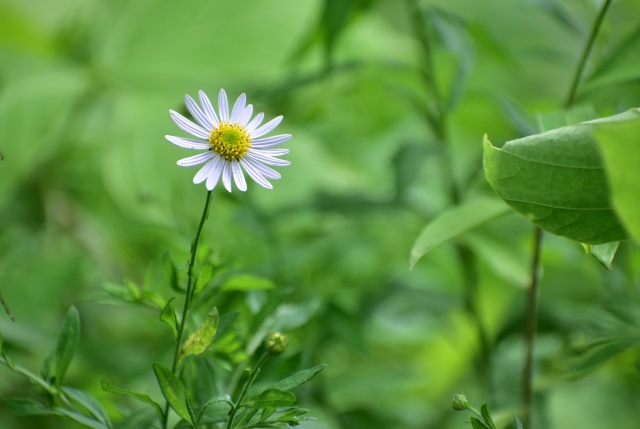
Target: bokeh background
{"x":90,"y":195}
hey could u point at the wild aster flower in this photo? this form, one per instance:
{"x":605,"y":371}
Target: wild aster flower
{"x":231,"y":141}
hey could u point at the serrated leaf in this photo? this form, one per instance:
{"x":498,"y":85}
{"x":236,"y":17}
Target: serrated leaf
{"x":603,"y":253}
{"x":272,"y":398}
{"x":27,"y":407}
{"x":202,"y":338}
{"x":56,"y":365}
{"x":89,"y":403}
{"x":556,"y":179}
{"x":620,"y":146}
{"x":168,"y":316}
{"x":141,"y":397}
{"x":298,"y":378}
{"x":204,"y":277}
{"x":246,"y":282}
{"x":455,"y":221}
{"x":174,"y":392}
{"x":486,"y":415}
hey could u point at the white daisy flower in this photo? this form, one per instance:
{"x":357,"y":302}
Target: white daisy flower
{"x":231,"y":141}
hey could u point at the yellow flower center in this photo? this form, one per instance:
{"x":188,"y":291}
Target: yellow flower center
{"x":231,"y":141}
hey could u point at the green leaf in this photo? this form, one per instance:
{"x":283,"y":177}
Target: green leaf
{"x":81,"y":418}
{"x":298,"y":378}
{"x":603,"y":353}
{"x":603,"y":253}
{"x":486,"y":415}
{"x":204,"y":277}
{"x":144,"y":398}
{"x":174,"y":392}
{"x":90,"y":403}
{"x":620,"y":145}
{"x":246,"y":282}
{"x":556,"y":179}
{"x":455,"y":221}
{"x":226,"y":322}
{"x":518,"y":422}
{"x":477,"y":424}
{"x":170,"y":273}
{"x":216,"y":410}
{"x":168,"y":316}
{"x":56,"y":365}
{"x":272,"y":398}
{"x":202,"y":338}
{"x":28,"y":407}
{"x":619,"y":67}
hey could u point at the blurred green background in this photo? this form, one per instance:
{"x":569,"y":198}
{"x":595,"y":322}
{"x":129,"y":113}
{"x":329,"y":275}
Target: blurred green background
{"x":90,"y":194}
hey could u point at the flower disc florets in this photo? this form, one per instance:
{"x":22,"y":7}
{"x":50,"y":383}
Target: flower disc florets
{"x":231,"y":141}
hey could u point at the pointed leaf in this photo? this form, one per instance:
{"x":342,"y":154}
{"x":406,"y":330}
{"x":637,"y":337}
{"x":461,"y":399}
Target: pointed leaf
{"x":298,"y":378}
{"x":204,"y":277}
{"x":557,"y":180}
{"x":272,"y":398}
{"x":27,"y":407}
{"x":518,"y":422}
{"x":603,"y":253}
{"x":144,"y":398}
{"x":81,"y":418}
{"x":486,"y":415}
{"x":202,"y":338}
{"x":58,"y":362}
{"x":90,"y":403}
{"x":477,"y":424}
{"x":168,"y":316}
{"x":216,"y":410}
{"x":174,"y":392}
{"x":170,"y":273}
{"x":455,"y":221}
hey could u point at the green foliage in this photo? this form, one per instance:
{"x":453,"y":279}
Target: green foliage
{"x":174,"y":392}
{"x":202,"y":338}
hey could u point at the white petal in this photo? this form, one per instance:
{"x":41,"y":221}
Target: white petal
{"x":223,"y":106}
{"x":188,"y":126}
{"x":226,"y":176}
{"x":238,"y":108}
{"x":238,"y":176}
{"x":208,"y":108}
{"x":196,"y":159}
{"x":266,"y":159}
{"x":266,"y":127}
{"x":255,"y":174}
{"x":270,"y":141}
{"x":188,"y":143}
{"x":214,"y":174}
{"x":267,"y":172}
{"x":195,"y":111}
{"x":246,"y":115}
{"x":256,"y":122}
{"x":204,"y":172}
{"x":271,"y":152}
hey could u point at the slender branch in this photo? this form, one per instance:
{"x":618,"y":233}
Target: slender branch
{"x":187,"y":298}
{"x":252,"y":378}
{"x":585,"y":54}
{"x":6,"y":307}
{"x":530,"y":330}
{"x":532,"y":291}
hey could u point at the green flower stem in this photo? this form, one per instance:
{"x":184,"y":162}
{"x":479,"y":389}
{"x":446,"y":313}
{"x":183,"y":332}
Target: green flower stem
{"x":31,"y":376}
{"x":585,"y":54}
{"x":188,"y":298}
{"x":532,"y":291}
{"x":247,"y":385}
{"x":6,"y":307}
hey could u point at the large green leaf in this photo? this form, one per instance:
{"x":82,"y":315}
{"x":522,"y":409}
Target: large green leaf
{"x":174,"y":392}
{"x":557,"y":180}
{"x":620,"y":146}
{"x":455,"y":221}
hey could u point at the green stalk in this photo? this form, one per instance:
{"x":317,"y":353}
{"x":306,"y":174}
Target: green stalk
{"x":252,"y":378}
{"x":187,"y":298}
{"x":532,"y":291}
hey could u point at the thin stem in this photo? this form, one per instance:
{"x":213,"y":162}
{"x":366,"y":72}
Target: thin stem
{"x":187,"y":298}
{"x":585,"y":54}
{"x":6,"y":307}
{"x":252,"y":378}
{"x":530,"y":331}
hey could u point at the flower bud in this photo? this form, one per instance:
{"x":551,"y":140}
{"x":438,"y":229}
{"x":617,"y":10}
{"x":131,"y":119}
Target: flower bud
{"x":460,"y":402}
{"x":275,"y":343}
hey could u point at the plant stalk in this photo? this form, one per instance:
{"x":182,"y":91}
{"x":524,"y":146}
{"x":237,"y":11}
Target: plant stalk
{"x":252,"y":378}
{"x":188,"y":297}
